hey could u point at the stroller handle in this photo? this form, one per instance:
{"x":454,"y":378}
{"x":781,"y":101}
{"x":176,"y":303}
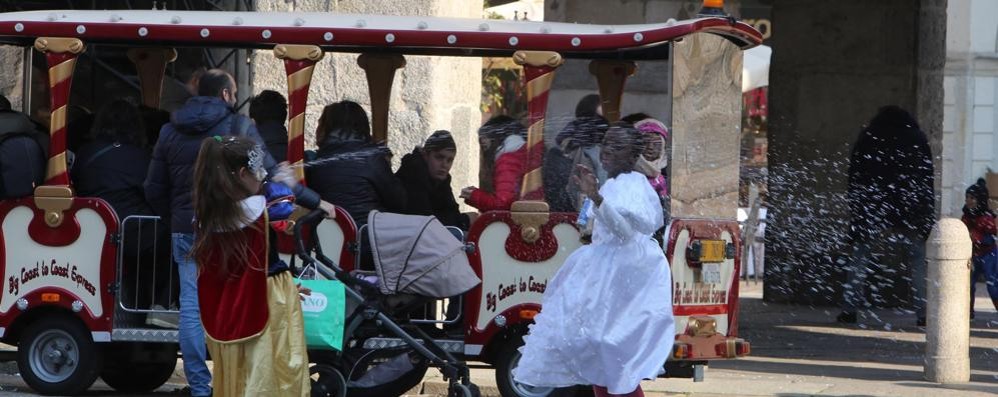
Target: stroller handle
{"x":310,"y":220}
{"x":324,"y":264}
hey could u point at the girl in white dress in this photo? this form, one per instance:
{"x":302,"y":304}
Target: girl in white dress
{"x":606,"y":317}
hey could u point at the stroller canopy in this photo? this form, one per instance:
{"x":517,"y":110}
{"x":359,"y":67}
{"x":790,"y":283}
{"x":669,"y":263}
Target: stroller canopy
{"x":418,"y":255}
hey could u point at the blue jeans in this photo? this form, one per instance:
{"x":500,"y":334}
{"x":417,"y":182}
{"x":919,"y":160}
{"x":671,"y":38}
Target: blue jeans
{"x":986,"y":265}
{"x":192,"y":344}
{"x":913,"y":252}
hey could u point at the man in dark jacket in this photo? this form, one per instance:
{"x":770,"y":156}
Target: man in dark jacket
{"x":892,"y":200}
{"x":269,"y":110}
{"x":425,"y":174}
{"x":168,"y":189}
{"x":23,"y":153}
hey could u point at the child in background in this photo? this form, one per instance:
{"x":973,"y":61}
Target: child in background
{"x":981,"y":221}
{"x":249,"y":303}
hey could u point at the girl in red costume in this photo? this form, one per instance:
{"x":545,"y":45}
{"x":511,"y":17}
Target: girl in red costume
{"x":249,"y":302}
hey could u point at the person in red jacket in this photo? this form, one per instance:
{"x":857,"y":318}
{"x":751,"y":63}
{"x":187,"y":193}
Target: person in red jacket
{"x":504,"y":156}
{"x":980,"y":220}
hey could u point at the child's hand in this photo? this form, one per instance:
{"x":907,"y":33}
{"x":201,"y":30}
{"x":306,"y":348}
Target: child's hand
{"x":466,"y":192}
{"x":585,"y":179}
{"x":303,"y":292}
{"x":329,"y":208}
{"x":285,"y":175}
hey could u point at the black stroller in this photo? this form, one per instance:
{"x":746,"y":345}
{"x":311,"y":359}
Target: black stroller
{"x":384,"y":354}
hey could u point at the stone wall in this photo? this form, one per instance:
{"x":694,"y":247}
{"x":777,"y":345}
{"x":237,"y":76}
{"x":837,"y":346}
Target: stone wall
{"x":834,"y":64}
{"x":430,"y":93}
{"x":11,"y":82}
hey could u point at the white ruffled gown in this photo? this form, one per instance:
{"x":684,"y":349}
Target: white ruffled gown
{"x":606,"y":316}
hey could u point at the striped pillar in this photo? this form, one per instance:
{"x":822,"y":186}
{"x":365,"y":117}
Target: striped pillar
{"x":299,"y":63}
{"x":60,"y":53}
{"x":538,"y":67}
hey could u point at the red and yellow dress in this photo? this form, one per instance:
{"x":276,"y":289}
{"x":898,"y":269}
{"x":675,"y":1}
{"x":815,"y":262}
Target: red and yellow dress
{"x":253,"y":320}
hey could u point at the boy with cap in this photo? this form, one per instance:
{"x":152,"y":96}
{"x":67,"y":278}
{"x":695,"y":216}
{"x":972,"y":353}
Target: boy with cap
{"x":425,"y":175}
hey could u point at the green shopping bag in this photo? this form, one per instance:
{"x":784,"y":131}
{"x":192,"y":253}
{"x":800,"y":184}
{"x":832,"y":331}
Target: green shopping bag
{"x":324,"y":313}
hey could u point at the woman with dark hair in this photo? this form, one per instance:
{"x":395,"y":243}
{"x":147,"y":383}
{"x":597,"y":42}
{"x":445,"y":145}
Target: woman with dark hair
{"x":353,"y":172}
{"x":112,"y":166}
{"x":504,"y":155}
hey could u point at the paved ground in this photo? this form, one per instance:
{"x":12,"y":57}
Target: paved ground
{"x":797,"y":351}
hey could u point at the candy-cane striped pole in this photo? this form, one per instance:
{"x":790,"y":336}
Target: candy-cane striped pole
{"x":538,"y":67}
{"x":60,"y":53}
{"x":299,"y":63}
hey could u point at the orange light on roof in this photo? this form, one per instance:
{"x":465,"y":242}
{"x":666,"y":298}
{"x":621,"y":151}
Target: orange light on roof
{"x":50,"y":297}
{"x":713,"y":3}
{"x":528,"y":314}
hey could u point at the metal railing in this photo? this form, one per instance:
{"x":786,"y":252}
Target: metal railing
{"x":142,"y":268}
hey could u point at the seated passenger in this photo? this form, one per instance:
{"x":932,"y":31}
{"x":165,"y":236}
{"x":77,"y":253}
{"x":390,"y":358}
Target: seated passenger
{"x":351,"y":170}
{"x":577,"y":143}
{"x":112,"y":166}
{"x":269,"y":110}
{"x":425,"y":174}
{"x":23,"y":153}
{"x":504,"y":156}
{"x":655,"y":159}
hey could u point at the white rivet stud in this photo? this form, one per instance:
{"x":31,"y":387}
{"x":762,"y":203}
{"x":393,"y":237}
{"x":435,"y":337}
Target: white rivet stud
{"x":53,"y":17}
{"x":390,"y":38}
{"x":451,"y":39}
{"x":639,"y":37}
{"x":299,"y":22}
{"x":238,"y":21}
{"x":422,"y":25}
{"x":361,"y":23}
{"x":266,"y":34}
{"x":143,"y":31}
{"x":115,"y":18}
{"x":80,"y":29}
{"x":205,"y":32}
{"x":328,"y":36}
{"x":175,"y":20}
{"x":19,"y":27}
{"x":545,"y":29}
{"x":576,"y":41}
{"x":483,"y":27}
{"x":514,"y":41}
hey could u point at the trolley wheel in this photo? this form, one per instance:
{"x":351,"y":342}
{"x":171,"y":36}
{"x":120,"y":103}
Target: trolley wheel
{"x":506,"y":360}
{"x":138,"y":367}
{"x":327,"y":381}
{"x":462,"y":390}
{"x":57,"y":355}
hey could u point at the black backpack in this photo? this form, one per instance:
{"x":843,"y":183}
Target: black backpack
{"x":22,"y":156}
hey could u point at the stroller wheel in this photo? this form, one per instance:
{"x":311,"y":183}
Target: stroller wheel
{"x":459,"y":390}
{"x":327,"y":381}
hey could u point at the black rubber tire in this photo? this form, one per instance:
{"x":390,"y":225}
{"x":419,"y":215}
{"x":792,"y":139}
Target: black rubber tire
{"x":138,"y":367}
{"x":74,"y":341}
{"x":327,"y":381}
{"x":505,"y":360}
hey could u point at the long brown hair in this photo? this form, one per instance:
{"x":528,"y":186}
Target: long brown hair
{"x":218,"y":191}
